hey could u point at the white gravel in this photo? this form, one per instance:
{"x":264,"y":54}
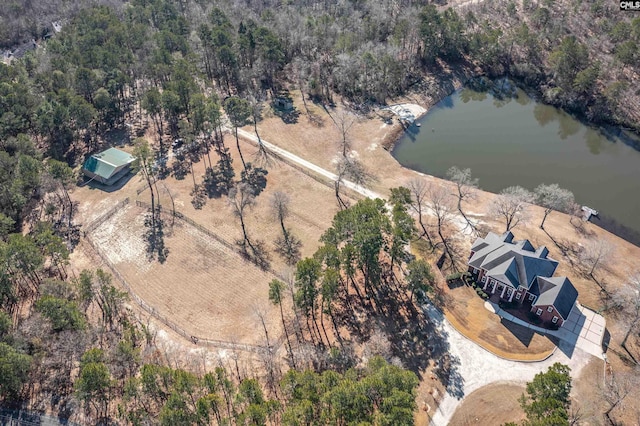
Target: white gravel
{"x":478,"y":367}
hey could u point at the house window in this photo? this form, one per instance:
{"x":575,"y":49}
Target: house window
{"x":550,"y":309}
{"x":517,"y":296}
{"x":554,"y":320}
{"x":531,"y":296}
{"x":475,"y":270}
{"x":492,"y":281}
{"x":484,"y":279}
{"x":539,"y":312}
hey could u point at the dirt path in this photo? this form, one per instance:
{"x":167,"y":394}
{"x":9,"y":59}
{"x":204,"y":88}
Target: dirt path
{"x":308,"y":165}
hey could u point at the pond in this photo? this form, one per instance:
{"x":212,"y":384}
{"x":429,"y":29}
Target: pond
{"x":508,"y":138}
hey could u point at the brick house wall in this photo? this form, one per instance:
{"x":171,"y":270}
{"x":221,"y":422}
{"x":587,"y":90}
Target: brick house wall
{"x":547,"y":316}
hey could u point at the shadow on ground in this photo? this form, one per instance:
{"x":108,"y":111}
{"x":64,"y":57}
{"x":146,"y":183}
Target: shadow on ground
{"x":523,"y":334}
{"x":93,"y":184}
{"x":416,"y":337}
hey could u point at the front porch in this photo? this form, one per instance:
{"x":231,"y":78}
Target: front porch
{"x":505,"y":297}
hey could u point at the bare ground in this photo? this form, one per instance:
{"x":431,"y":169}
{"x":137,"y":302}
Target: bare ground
{"x":467,"y":314}
{"x":316,"y":140}
{"x":318,"y":143}
{"x":198,"y":265}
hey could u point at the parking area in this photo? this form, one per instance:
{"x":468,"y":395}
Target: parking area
{"x":585,"y":328}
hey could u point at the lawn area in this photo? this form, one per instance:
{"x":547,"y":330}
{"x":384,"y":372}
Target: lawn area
{"x":466,"y":312}
{"x":490,"y":405}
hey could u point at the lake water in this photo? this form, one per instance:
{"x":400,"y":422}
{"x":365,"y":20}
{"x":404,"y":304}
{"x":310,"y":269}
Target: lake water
{"x":514,"y":140}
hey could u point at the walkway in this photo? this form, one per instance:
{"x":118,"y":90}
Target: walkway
{"x":583,"y":329}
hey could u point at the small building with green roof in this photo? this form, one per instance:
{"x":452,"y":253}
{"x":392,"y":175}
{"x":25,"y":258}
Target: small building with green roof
{"x":107,"y":167}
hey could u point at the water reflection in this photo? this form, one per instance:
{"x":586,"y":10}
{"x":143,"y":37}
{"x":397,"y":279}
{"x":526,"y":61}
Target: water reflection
{"x":467,"y":95}
{"x":594,"y":140}
{"x":568,"y":126}
{"x":526,"y":143}
{"x":544,"y":114}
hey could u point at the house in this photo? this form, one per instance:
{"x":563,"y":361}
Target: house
{"x":517,"y":271}
{"x":107,"y":167}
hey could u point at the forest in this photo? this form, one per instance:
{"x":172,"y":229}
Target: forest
{"x":66,"y":339}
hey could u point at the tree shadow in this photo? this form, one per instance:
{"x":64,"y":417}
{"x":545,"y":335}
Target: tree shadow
{"x":416,"y":337}
{"x":287,"y":116}
{"x":606,"y":339}
{"x":569,"y":249}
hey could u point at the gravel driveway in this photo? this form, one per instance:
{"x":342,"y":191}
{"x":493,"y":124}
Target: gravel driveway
{"x":477,"y":367}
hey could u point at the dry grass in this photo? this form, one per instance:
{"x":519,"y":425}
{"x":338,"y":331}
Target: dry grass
{"x":313,"y":206}
{"x":192,"y":287}
{"x":204,"y":287}
{"x":318,"y":144}
{"x":466,"y":312}
{"x":490,"y":405}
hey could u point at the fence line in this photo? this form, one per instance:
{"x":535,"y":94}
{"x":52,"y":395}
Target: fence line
{"x":166,"y":321}
{"x":205,"y":231}
{"x":104,"y":217}
{"x":141,"y":189}
{"x":190,"y":222}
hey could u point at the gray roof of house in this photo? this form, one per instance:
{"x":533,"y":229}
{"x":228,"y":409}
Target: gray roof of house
{"x":556,"y":291}
{"x":514,"y":263}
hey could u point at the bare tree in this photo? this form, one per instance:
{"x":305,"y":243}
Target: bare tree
{"x":241,"y":199}
{"x":441,"y":205}
{"x":616,"y":390}
{"x":344,"y":121}
{"x":552,"y":197}
{"x":261,"y":314}
{"x":511,"y":206}
{"x":262,"y":157}
{"x":418,"y":188}
{"x":627,"y":298}
{"x":466,"y":189}
{"x":594,"y":254}
{"x":354,"y":171}
{"x":288,"y":246}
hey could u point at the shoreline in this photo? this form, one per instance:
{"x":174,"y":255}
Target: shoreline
{"x":390,"y":140}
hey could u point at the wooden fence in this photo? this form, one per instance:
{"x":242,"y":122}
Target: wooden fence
{"x":105,"y":216}
{"x":205,"y":231}
{"x":150,"y":309}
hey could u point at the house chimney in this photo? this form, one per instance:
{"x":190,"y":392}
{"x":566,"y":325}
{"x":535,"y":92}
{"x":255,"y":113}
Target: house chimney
{"x":542,"y":252}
